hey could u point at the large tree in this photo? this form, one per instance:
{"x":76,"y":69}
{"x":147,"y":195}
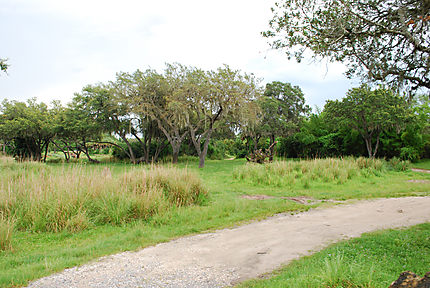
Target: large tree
{"x":138,"y":89}
{"x":379,"y":40}
{"x":370,"y":112}
{"x":105,"y":104}
{"x":160,"y":98}
{"x":283,"y":107}
{"x":212,"y":96}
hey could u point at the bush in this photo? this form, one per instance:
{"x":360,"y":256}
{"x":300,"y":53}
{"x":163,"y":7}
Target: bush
{"x":409,"y":154}
{"x":399,"y":165}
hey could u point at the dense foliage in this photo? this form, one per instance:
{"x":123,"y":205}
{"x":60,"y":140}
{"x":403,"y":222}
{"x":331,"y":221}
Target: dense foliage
{"x":147,"y":116}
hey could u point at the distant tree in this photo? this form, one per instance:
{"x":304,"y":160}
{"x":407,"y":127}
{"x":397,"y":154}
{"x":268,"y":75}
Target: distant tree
{"x":29,"y":125}
{"x":212,"y":96}
{"x":104,"y":103}
{"x":370,"y":112}
{"x":161,"y":100}
{"x":283,"y":107}
{"x":379,"y":40}
{"x":76,"y":130}
{"x":140,"y":87}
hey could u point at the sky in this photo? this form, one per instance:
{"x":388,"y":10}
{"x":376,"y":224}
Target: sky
{"x":55,"y":48}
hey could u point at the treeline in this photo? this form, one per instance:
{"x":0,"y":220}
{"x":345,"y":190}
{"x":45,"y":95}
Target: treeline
{"x":147,"y":115}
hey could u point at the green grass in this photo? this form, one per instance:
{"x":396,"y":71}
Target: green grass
{"x":371,"y":261}
{"x":36,"y":254}
{"x":422,"y":164}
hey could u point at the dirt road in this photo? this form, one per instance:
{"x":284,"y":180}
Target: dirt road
{"x":227,"y":256}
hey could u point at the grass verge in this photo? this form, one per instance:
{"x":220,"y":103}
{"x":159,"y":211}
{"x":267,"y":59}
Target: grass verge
{"x":374,"y":260}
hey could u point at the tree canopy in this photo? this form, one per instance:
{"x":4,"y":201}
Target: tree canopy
{"x":283,"y":107}
{"x":379,"y":40}
{"x":370,"y":112}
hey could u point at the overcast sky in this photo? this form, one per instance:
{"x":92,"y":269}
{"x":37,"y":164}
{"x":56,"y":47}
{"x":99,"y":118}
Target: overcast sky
{"x":57,"y":47}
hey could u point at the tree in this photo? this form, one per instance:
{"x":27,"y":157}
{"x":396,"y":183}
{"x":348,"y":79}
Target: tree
{"x":3,"y":65}
{"x":370,"y":112}
{"x":29,"y":125}
{"x":138,"y":86}
{"x":76,"y":130}
{"x":105,"y":104}
{"x":159,"y":97}
{"x":211,"y":96}
{"x":283,"y":107}
{"x":379,"y":40}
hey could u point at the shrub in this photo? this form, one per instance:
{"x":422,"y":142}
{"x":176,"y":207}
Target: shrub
{"x":398,"y":164}
{"x":409,"y":154}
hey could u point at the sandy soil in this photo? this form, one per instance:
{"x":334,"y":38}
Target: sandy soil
{"x":228,"y":256}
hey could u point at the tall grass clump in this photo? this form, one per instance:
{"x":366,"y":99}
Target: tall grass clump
{"x":329,"y":170}
{"x":74,"y":198}
{"x":6,"y":230}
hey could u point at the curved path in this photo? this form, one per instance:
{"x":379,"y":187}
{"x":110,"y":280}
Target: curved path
{"x":228,"y":256}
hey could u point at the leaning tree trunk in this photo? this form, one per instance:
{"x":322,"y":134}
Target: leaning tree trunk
{"x":272,"y":147}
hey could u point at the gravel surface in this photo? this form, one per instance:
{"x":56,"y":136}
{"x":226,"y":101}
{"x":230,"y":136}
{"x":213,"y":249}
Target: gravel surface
{"x":229,"y":256}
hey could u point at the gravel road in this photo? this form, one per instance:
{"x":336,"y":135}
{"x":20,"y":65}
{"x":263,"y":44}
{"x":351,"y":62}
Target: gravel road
{"x":228,"y":256}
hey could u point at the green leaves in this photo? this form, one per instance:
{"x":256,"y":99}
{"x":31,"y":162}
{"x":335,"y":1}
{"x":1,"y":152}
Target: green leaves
{"x":369,"y":112}
{"x":382,"y":40}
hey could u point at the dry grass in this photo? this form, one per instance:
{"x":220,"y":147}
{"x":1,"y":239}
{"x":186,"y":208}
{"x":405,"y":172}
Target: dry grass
{"x":6,"y":231}
{"x":44,"y":198}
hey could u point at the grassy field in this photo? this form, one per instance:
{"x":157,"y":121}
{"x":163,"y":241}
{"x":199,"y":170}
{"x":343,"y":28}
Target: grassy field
{"x":374,"y":260}
{"x":38,"y":246}
{"x":422,"y":164}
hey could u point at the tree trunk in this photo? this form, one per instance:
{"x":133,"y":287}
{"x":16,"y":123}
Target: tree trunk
{"x":368,"y":141}
{"x":130,"y":150}
{"x":376,"y":146}
{"x":272,"y":147}
{"x":175,"y":154}
{"x":203,"y":153}
{"x":46,"y":151}
{"x":256,"y":139}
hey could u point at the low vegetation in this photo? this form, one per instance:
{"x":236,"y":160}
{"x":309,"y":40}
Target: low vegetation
{"x":305,"y":172}
{"x":41,"y":198}
{"x":371,"y":261}
{"x":59,"y":215}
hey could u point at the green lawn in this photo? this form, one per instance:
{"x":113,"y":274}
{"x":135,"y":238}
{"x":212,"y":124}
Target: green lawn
{"x":38,"y":254}
{"x":422,"y":164}
{"x":374,"y":260}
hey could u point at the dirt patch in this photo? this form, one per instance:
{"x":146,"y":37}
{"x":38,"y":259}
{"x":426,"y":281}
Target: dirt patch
{"x":257,"y":197}
{"x":303,"y":200}
{"x":420,"y":170}
{"x":299,"y":199}
{"x":418,"y":181}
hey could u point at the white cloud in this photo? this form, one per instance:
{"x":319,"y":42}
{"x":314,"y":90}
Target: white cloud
{"x":57,"y":47}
